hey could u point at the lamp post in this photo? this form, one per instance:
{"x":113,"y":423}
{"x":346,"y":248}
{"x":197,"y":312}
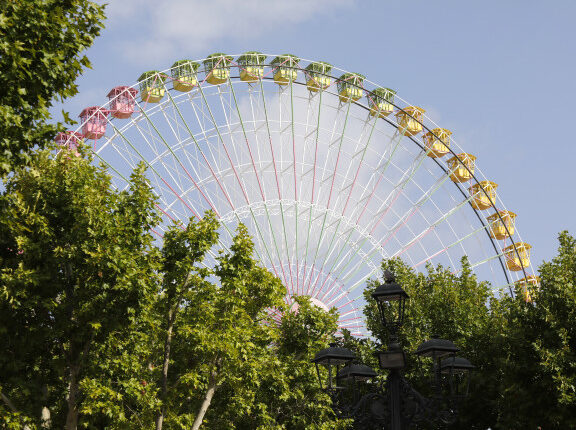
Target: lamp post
{"x":396,"y":404}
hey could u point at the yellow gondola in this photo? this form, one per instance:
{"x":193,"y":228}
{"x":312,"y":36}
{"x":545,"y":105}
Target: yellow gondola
{"x":483,"y":194}
{"x":410,"y":120}
{"x":501,"y":224}
{"x":251,"y":66}
{"x":437,"y":142}
{"x":317,"y":76}
{"x":152,"y":86}
{"x":527,"y":286}
{"x":517,"y":256}
{"x":461,"y":167}
{"x":184,"y":75}
{"x":381,"y":102}
{"x":350,"y":86}
{"x":217,"y":68}
{"x":286,"y":68}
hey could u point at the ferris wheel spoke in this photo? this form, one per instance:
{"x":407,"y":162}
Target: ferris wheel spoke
{"x":427,"y":195}
{"x":179,"y":163}
{"x":194,"y":182}
{"x":283,"y":172}
{"x":400,"y":186}
{"x":363,"y":151}
{"x":155,"y":171}
{"x":417,"y":237}
{"x":296,"y":215}
{"x":309,"y":145}
{"x":306,"y":284}
{"x":446,"y":248}
{"x":459,"y":206}
{"x":403,"y":219}
{"x":148,"y":138}
{"x":251,"y":157}
{"x":278,"y":188}
{"x":221,"y":186}
{"x":221,"y":140}
{"x":271,"y":229}
{"x":333,"y":177}
{"x":486,"y":260}
{"x":351,"y":186}
{"x":378,"y":174}
{"x":354,"y":253}
{"x":262,"y":195}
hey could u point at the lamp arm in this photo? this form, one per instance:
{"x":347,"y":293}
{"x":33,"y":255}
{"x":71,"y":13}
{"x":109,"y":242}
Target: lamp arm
{"x":371,"y":412}
{"x":417,"y":408}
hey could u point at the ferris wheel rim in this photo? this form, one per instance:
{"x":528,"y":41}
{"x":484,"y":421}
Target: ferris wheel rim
{"x":476,"y":176}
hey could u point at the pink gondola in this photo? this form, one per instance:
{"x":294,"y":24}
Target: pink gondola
{"x":122,"y":101}
{"x":69,"y":139}
{"x":94,"y":121}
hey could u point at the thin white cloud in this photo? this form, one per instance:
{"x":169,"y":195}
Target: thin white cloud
{"x":192,"y":26}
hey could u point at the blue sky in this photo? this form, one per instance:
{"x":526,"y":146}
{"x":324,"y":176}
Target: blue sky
{"x":499,"y":74}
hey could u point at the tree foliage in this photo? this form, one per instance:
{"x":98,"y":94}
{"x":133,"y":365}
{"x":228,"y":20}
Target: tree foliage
{"x":539,"y":385}
{"x":41,"y":55}
{"x":216,"y":355}
{"x":77,"y":263}
{"x":103,"y":328}
{"x":524,"y":352}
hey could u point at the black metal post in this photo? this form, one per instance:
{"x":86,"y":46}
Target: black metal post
{"x":395,"y":399}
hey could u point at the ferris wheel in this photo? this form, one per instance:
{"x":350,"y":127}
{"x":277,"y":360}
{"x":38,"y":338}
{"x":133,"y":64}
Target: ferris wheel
{"x":330,"y":172}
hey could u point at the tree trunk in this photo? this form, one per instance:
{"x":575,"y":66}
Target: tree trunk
{"x":72,"y":416}
{"x":164,"y":382}
{"x":45,"y":418}
{"x":212,"y":387}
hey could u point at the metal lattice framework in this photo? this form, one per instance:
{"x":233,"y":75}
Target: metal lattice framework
{"x":327,"y":186}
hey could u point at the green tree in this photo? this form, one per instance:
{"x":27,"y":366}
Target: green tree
{"x":201,"y":342}
{"x":285,"y":393}
{"x":540,"y":372}
{"x":77,"y":262}
{"x":41,"y":45}
{"x":223,"y":331}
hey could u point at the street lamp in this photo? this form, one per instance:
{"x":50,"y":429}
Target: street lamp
{"x":437,"y":349}
{"x":332,"y":357}
{"x":396,"y":404}
{"x":391,"y":301}
{"x":458,"y":371}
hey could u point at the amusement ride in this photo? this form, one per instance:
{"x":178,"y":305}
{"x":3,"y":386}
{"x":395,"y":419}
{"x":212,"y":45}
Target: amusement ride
{"x":330,"y":172}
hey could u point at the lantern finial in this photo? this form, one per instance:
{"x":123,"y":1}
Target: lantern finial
{"x":389,"y":277}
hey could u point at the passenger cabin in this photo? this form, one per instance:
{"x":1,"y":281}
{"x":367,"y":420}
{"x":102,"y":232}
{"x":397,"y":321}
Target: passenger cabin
{"x":410,"y":120}
{"x":527,"y":286}
{"x":69,"y":140}
{"x":217,"y":68}
{"x":483,"y":194}
{"x":94,"y":120}
{"x":350,"y":87}
{"x":461,"y":167}
{"x":122,"y":101}
{"x":184,"y":76}
{"x":437,"y":142}
{"x":152,"y":88}
{"x":285,"y":68}
{"x":517,"y":256}
{"x":317,"y":78}
{"x":381,"y":102}
{"x":251,"y":66}
{"x":501,"y":224}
